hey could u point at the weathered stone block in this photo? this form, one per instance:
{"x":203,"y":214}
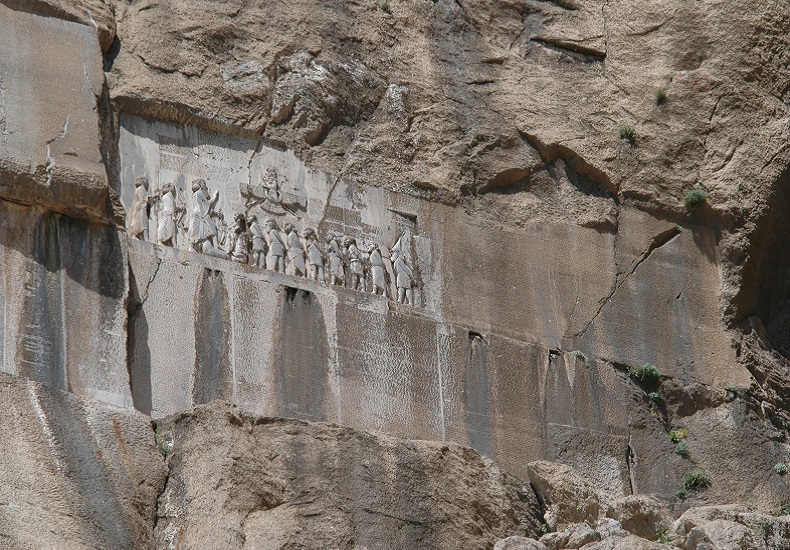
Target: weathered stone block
{"x":63,"y":309}
{"x":50,"y":143}
{"x":76,"y":473}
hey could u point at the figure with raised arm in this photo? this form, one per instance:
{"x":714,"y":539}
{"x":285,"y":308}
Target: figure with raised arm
{"x":202,"y":227}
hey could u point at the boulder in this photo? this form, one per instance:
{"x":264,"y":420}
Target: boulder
{"x":642,"y":515}
{"x":631,"y":542}
{"x":729,"y":527}
{"x":573,"y":536}
{"x":519,"y":543}
{"x":566,"y":496}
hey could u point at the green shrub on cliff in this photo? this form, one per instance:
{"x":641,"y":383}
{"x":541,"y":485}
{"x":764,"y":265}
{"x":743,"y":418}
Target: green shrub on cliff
{"x":678,"y":434}
{"x":646,"y":374}
{"x":694,"y":197}
{"x":697,"y":479}
{"x":627,"y":133}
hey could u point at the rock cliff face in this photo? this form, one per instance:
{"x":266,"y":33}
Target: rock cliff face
{"x":496,"y":218}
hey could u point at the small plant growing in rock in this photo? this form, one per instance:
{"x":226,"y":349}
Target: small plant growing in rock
{"x":580,"y":354}
{"x":731,"y":389}
{"x":694,"y":197}
{"x":656,"y":397}
{"x":646,"y":374}
{"x":627,"y":133}
{"x":781,"y":468}
{"x":661,"y":96}
{"x":678,"y":434}
{"x":682,"y":494}
{"x":697,"y":479}
{"x":783,"y":510}
{"x":683,"y":449}
{"x":663,"y":537}
{"x":385,"y":7}
{"x":163,"y":445}
{"x":544,"y":528}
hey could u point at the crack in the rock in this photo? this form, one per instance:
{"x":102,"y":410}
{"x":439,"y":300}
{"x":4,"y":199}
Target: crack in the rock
{"x":573,"y":47}
{"x":658,"y":241}
{"x":403,"y":520}
{"x":773,"y":157}
{"x":157,"y":516}
{"x":143,"y":299}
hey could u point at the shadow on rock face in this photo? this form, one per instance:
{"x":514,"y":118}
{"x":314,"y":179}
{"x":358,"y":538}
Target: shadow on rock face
{"x":302,"y":358}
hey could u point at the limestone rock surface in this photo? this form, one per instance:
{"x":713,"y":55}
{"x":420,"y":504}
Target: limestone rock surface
{"x":238,"y":481}
{"x":567,"y":497}
{"x":51,"y":85}
{"x":730,"y":527}
{"x":474,"y":98}
{"x":76,"y":473}
{"x":642,"y":515}
{"x":519,"y":543}
{"x":575,"y":535}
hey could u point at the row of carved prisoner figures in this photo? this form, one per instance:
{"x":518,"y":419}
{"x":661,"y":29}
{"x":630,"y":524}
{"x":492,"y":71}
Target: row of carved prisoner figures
{"x":267,"y":247}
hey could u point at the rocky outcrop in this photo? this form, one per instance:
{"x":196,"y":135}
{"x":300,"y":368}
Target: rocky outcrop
{"x":538,"y":154}
{"x":733,"y":527}
{"x":240,"y":481}
{"x":579,"y":515}
{"x":567,"y":497}
{"x":76,"y":473}
{"x":52,"y":146}
{"x":479,"y":97}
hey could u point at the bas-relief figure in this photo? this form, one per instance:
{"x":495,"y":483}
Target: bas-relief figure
{"x":296,"y":263}
{"x":315,"y":257}
{"x":271,"y":195}
{"x":271,"y":182}
{"x":378,"y":270}
{"x":238,"y":240}
{"x":202,"y":227}
{"x":337,"y":271}
{"x":137,"y":217}
{"x":355,"y":264}
{"x":167,"y":213}
{"x":246,"y":242}
{"x":258,"y":243}
{"x":276,"y":246}
{"x":404,"y":276}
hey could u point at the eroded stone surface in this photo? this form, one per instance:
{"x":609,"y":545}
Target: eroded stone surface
{"x":62,"y":310}
{"x":566,"y":497}
{"x":76,"y":473}
{"x":242,"y":481}
{"x":50,"y":141}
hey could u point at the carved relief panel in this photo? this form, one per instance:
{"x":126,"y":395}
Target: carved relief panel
{"x":234,"y":199}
